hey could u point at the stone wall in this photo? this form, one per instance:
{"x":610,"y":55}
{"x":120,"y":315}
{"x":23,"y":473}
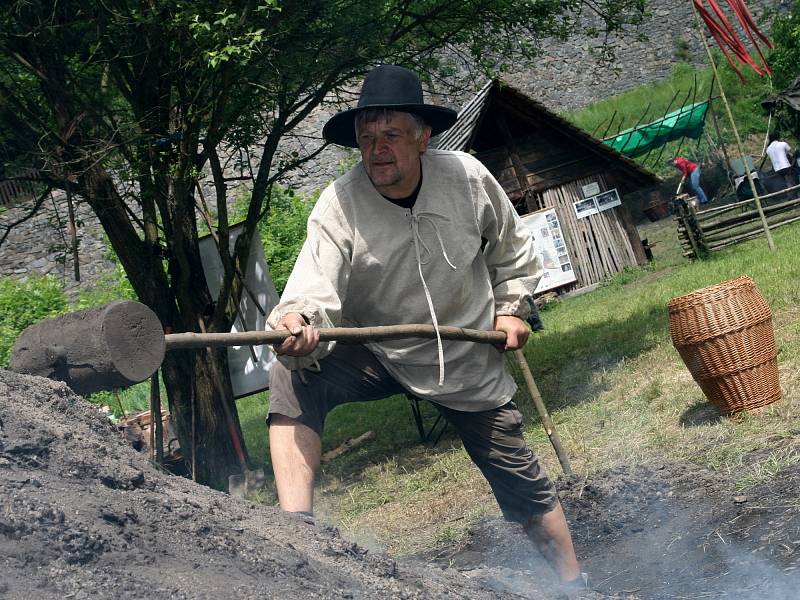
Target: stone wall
{"x":41,"y":245}
{"x":566,"y":76}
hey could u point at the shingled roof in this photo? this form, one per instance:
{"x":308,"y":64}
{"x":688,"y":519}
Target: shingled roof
{"x":462,"y":135}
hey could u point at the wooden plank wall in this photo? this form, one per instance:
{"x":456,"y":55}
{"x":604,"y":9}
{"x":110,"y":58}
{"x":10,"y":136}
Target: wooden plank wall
{"x":598,"y":244}
{"x":545,"y":163}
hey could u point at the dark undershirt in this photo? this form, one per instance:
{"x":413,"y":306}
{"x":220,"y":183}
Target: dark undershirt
{"x":408,"y":201}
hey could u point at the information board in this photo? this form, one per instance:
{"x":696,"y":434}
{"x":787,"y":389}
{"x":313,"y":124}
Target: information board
{"x":596,"y":204}
{"x":549,"y":242}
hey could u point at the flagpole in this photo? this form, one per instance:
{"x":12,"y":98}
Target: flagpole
{"x":739,"y":146}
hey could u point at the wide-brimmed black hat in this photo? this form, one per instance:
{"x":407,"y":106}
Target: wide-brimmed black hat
{"x":393,"y":88}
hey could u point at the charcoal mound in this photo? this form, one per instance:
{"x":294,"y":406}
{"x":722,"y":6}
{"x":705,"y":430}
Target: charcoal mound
{"x":84,"y":515}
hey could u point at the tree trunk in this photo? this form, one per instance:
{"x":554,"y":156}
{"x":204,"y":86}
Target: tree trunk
{"x":196,"y":383}
{"x":196,"y":387}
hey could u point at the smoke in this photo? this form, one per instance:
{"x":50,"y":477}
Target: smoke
{"x":670,"y":531}
{"x":750,"y":577}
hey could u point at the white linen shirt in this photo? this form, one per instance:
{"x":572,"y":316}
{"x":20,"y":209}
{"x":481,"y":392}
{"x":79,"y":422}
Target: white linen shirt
{"x":359,"y":268}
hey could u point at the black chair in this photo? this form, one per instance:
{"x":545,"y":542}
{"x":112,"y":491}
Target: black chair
{"x":434,"y":431}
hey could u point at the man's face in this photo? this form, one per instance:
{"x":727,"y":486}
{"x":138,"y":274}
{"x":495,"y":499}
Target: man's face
{"x":390,"y":152}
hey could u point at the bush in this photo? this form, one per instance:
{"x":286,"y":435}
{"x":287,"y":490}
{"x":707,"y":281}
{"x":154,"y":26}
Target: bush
{"x":111,"y":286}
{"x":23,"y":303}
{"x":785,"y":59}
{"x":282,"y":231}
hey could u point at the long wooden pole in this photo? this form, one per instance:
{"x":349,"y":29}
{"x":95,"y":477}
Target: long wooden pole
{"x":719,"y":136}
{"x":180,"y":341}
{"x":176,"y":341}
{"x":739,"y":146}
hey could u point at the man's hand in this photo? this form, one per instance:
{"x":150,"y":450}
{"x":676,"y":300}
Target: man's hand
{"x":516,"y":331}
{"x":304,"y":338}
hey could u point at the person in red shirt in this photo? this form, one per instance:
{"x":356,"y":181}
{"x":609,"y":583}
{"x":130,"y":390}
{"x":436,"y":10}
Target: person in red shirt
{"x":692,"y":171}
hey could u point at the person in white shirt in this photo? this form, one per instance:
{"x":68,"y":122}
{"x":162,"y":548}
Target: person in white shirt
{"x":411,"y":235}
{"x":780,"y":153}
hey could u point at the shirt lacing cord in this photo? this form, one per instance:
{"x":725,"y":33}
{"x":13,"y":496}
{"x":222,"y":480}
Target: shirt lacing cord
{"x":416,"y":219}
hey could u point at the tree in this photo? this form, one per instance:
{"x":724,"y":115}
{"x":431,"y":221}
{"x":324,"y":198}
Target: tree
{"x":128,"y":103}
{"x":785,"y":58}
{"x":785,"y":62}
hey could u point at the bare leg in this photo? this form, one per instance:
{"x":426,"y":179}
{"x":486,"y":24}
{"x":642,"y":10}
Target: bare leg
{"x":295,"y":450}
{"x":551,"y":535}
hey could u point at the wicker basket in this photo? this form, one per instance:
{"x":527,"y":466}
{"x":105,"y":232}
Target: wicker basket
{"x":724,"y":335}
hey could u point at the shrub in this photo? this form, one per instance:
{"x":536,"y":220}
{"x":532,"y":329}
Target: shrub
{"x":111,"y":286}
{"x":282,"y":231}
{"x":23,"y":303}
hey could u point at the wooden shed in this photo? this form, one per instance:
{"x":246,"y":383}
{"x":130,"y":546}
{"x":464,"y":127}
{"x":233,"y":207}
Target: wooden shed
{"x":544,"y":162}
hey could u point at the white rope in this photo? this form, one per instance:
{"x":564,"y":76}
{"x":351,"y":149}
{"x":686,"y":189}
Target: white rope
{"x":416,"y":219}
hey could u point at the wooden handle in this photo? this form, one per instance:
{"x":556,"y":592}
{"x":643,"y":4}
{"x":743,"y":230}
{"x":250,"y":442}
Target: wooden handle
{"x":180,"y":341}
{"x":547,"y":422}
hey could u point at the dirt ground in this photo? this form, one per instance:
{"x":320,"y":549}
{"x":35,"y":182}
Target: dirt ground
{"x":83,"y":515}
{"x":665,"y":531}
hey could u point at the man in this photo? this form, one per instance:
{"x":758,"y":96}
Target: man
{"x":780,"y":156}
{"x":409,"y":236}
{"x":692,"y":171}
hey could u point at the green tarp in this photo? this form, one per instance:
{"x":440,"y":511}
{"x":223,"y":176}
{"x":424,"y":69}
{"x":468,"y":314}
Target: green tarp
{"x":685,"y":122}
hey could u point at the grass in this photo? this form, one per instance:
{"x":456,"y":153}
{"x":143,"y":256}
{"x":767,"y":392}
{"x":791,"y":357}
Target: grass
{"x":127,"y":401}
{"x":616,"y":390}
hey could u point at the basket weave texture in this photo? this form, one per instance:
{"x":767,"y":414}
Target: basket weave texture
{"x":724,"y":334}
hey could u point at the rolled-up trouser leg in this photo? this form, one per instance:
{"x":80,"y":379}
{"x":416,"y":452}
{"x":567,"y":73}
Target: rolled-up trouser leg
{"x":351,"y":373}
{"x":493,"y":439}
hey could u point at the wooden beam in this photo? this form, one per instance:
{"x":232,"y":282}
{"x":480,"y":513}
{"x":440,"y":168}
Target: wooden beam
{"x":626,"y":220}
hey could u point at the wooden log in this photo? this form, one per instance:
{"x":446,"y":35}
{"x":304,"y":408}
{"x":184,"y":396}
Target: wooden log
{"x":751,"y":233}
{"x":634,"y":239}
{"x":712,"y":213}
{"x":751,"y":215}
{"x":122,"y":343}
{"x":100,"y":348}
{"x":724,"y":233}
{"x":709,"y":213}
{"x":685,"y":217}
{"x":347,"y":445}
{"x":575,"y":234}
{"x":697,"y":230}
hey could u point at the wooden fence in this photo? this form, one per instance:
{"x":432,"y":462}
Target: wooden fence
{"x":19,"y":188}
{"x":715,"y":228}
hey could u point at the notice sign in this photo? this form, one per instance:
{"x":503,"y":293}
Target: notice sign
{"x":584,"y":208}
{"x":549,"y":243}
{"x":591,"y":189}
{"x":607,"y":200}
{"x":596,"y":204}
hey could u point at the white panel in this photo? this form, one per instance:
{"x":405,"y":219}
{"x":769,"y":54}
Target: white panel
{"x":549,"y":242}
{"x":249,"y":368}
